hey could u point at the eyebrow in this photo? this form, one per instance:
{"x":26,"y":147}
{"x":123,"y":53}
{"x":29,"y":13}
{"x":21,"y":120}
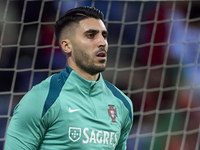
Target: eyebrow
{"x":95,"y":31}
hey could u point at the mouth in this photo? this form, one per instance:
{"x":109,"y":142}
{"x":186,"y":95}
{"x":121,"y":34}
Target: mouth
{"x":101,"y":55}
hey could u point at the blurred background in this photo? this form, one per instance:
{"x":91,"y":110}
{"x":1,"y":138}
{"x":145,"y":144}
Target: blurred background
{"x":153,"y":58}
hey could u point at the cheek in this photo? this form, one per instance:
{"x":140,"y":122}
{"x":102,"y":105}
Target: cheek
{"x":86,"y":46}
{"x":106,"y":47}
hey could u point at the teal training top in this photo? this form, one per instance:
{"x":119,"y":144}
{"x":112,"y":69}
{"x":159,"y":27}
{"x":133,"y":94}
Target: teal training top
{"x":66,"y":111}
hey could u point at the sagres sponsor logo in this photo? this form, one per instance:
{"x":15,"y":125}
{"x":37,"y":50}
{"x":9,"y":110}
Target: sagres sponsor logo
{"x":94,"y":136}
{"x":74,"y":133}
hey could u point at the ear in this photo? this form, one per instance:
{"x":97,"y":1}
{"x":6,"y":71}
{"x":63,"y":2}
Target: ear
{"x":66,"y":46}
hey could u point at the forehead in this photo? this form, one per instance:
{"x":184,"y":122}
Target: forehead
{"x":92,"y":23}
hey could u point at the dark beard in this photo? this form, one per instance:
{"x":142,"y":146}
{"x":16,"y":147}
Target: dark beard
{"x":85,"y":63}
{"x":90,"y":67}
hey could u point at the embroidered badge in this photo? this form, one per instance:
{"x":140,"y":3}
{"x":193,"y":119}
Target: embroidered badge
{"x":112,"y":112}
{"x":74,"y":133}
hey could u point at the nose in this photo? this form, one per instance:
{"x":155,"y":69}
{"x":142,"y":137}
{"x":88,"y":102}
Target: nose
{"x":102,"y":42}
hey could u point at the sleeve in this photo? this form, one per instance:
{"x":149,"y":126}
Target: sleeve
{"x":122,"y":143}
{"x":25,"y":129}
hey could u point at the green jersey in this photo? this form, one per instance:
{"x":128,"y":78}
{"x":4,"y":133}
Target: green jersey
{"x":66,"y":111}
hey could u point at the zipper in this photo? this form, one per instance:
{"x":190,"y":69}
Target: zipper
{"x":91,"y":101}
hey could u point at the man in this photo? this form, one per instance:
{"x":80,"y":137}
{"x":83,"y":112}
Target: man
{"x":75,"y":109}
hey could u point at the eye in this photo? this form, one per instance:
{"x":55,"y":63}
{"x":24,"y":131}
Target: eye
{"x":90,"y":35}
{"x":105,"y":36}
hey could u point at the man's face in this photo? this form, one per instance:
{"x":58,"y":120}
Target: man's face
{"x":90,"y":46}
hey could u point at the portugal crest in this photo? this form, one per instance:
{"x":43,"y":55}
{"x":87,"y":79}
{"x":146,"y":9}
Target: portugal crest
{"x":74,"y":133}
{"x":112,"y":112}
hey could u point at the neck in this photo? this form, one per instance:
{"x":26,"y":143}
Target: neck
{"x":86,"y":75}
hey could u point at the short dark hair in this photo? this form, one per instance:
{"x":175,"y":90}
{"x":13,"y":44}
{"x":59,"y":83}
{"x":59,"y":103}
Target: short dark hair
{"x":75,"y":15}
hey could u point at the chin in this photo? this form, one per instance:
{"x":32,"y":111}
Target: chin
{"x":102,"y":67}
{"x":97,"y":69}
